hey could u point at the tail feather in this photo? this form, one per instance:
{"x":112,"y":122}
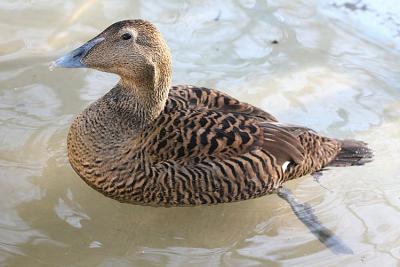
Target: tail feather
{"x":352,"y":153}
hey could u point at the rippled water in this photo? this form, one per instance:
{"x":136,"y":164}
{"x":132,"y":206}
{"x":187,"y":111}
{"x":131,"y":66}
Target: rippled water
{"x":329,"y":71}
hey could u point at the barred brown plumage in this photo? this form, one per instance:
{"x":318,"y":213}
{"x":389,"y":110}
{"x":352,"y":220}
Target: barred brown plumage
{"x":145,"y":142}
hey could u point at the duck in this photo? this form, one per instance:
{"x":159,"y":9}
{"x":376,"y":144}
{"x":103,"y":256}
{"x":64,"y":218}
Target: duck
{"x":147,"y":142}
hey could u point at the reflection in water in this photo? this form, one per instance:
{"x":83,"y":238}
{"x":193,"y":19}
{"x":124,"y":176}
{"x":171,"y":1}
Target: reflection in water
{"x":319,"y":74}
{"x":306,"y":214}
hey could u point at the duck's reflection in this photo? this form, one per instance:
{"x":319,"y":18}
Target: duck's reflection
{"x":305,"y":214}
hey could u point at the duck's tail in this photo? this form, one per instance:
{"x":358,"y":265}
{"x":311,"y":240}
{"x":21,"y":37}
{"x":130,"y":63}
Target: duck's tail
{"x":352,"y":153}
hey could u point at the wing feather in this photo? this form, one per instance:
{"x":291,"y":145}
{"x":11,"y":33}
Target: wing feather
{"x":197,"y":134}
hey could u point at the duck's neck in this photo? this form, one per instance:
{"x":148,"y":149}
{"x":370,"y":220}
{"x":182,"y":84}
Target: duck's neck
{"x":141,"y":103}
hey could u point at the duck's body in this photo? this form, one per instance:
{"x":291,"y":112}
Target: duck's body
{"x":146,"y":143}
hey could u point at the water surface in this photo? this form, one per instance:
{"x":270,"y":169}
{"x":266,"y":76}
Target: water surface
{"x":326,"y":71}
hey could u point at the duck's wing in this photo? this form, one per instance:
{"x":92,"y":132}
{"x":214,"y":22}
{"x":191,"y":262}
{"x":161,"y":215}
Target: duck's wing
{"x":195,"y":134}
{"x":191,"y":96}
{"x":203,"y":156}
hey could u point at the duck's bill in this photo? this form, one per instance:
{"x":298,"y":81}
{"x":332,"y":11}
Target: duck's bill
{"x":74,"y":58}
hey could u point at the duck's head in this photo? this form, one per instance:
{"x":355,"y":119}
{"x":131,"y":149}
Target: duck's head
{"x":132,"y":49}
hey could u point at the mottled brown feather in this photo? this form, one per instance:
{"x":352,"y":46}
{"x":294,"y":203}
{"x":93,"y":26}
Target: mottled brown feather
{"x":214,"y":99}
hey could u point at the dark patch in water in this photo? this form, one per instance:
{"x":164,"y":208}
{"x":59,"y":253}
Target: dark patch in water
{"x":218,"y":15}
{"x":352,"y":6}
{"x":306,"y":215}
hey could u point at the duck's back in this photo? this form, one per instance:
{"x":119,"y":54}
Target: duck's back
{"x":185,"y":96}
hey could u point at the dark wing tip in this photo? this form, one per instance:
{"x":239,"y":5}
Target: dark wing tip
{"x":282,"y":144}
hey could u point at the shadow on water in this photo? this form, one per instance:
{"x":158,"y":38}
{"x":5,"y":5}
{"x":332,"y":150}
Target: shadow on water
{"x":305,"y":214}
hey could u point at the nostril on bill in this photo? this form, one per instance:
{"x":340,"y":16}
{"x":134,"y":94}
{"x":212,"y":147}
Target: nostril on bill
{"x":78,"y":53}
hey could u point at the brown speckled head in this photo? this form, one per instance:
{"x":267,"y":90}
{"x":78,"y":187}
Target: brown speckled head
{"x":133,"y":49}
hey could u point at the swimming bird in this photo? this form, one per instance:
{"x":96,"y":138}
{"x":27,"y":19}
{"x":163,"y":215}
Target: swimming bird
{"x":147,"y":142}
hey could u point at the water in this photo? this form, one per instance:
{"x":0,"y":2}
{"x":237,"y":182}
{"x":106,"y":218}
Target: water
{"x":340,"y":79}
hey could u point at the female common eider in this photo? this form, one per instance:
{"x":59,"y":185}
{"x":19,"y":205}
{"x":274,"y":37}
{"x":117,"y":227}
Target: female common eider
{"x":145,"y":142}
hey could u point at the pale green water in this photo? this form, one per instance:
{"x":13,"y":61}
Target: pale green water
{"x":322,"y":74}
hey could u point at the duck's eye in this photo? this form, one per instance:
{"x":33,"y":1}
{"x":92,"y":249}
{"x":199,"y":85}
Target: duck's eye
{"x":126,"y":36}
